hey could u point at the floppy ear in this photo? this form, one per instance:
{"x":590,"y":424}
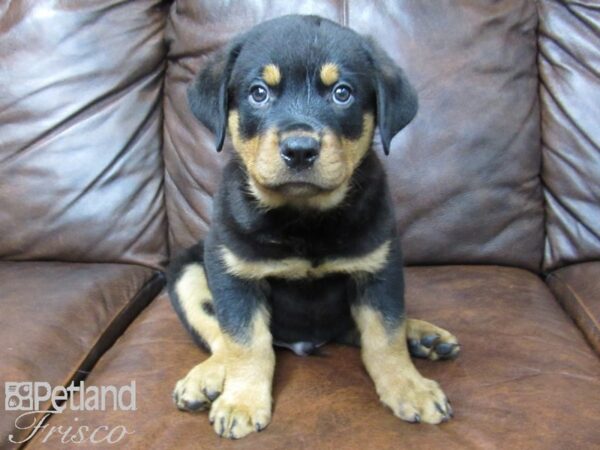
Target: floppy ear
{"x":207,"y":95}
{"x":397,"y":102}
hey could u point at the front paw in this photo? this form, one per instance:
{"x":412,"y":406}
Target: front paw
{"x":240,"y":404}
{"x":417,"y":399}
{"x":203,"y":384}
{"x":237,"y":417}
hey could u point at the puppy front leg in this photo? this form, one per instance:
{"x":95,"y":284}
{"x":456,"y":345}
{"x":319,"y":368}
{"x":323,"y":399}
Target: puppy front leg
{"x":244,"y":405}
{"x":246,"y":352}
{"x":237,"y":377}
{"x":379,"y":316}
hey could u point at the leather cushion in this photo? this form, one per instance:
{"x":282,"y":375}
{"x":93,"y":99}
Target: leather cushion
{"x":569,"y":57}
{"x":58,"y":318}
{"x":525,"y":378}
{"x":80,"y":131}
{"x":577,"y":288}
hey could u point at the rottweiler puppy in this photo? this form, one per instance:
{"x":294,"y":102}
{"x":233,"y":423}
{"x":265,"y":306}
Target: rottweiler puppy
{"x":303,"y":248}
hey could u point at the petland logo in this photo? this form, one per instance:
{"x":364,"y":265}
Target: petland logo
{"x":31,"y":396}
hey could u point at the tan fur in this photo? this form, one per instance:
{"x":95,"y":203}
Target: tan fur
{"x":260,"y":154}
{"x":338,"y":159}
{"x":306,"y":133}
{"x":329,"y":73}
{"x":271,"y":74}
{"x":397,"y":382}
{"x":192,"y":290}
{"x":298,"y":268}
{"x":352,"y":151}
{"x":241,"y":372}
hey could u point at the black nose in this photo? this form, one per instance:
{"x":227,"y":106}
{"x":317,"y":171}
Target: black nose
{"x":299,"y":152}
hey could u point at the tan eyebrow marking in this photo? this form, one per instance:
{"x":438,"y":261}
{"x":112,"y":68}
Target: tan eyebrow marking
{"x":271,"y":74}
{"x":330,"y":73}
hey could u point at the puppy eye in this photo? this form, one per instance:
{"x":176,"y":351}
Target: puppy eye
{"x":342,"y":94}
{"x":259,"y":95}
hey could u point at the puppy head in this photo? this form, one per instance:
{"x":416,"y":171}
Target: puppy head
{"x":300,"y":96}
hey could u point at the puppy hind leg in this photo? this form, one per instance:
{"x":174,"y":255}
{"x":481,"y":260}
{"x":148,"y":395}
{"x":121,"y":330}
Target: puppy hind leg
{"x":425,"y":340}
{"x":193,"y":302}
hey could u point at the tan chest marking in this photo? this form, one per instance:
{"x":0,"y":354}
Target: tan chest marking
{"x":298,"y":268}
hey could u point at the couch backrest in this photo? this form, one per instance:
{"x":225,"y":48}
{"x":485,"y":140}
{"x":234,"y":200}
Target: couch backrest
{"x":81,"y":126}
{"x":569,"y":60}
{"x":80,"y":131}
{"x":464,"y":174}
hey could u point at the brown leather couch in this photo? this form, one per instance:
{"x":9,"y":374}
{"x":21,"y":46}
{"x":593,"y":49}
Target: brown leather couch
{"x":104,"y":174}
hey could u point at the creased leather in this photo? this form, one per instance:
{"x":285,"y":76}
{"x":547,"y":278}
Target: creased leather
{"x":80,"y":131}
{"x":577,"y":288}
{"x":569,"y":60}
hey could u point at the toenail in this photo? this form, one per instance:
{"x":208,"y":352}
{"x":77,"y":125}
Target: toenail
{"x":444,"y":348}
{"x":439,"y":408}
{"x":195,"y":405}
{"x":211,"y":395}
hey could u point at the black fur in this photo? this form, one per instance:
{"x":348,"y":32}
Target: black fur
{"x":396,"y":99}
{"x":302,"y":310}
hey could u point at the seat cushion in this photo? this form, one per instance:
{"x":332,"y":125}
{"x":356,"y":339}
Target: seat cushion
{"x":58,"y":318}
{"x":577,"y":288}
{"x":525,"y":378}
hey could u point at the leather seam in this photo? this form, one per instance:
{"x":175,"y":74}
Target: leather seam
{"x":578,"y":300}
{"x":157,"y":277}
{"x":150,"y":289}
{"x":588,"y":334}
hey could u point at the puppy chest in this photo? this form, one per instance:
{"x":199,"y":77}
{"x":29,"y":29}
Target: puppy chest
{"x":316,"y":311}
{"x":298,"y":268}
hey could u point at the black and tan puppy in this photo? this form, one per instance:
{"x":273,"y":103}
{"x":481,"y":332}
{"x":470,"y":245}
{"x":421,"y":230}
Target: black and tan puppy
{"x":303,"y":248}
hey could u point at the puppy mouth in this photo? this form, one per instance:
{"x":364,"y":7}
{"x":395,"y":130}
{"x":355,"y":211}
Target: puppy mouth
{"x":297,"y":188}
